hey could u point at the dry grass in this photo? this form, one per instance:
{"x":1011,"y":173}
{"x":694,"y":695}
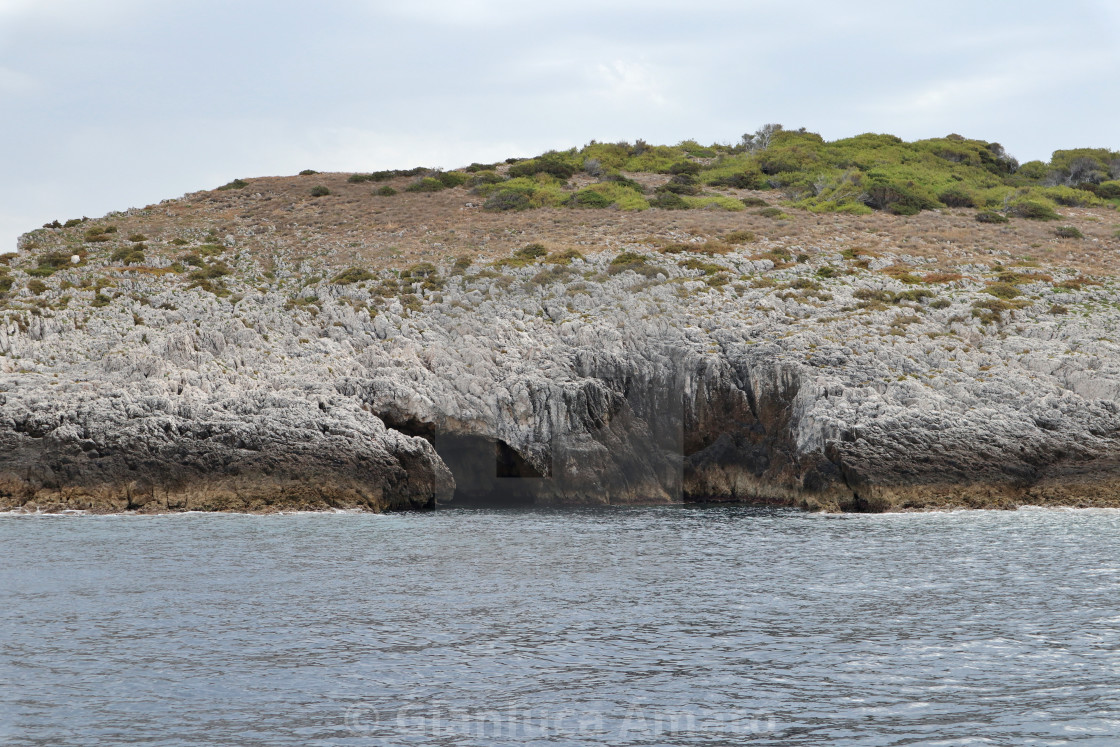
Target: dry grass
{"x":353,"y":226}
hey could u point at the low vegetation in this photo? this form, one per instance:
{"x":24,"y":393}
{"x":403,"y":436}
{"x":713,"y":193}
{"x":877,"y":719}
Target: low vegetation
{"x":879,"y":224}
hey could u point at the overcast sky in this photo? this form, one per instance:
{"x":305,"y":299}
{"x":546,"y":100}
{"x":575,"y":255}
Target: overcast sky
{"x":110,"y":104}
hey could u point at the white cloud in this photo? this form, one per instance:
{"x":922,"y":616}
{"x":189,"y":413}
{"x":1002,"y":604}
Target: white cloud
{"x":624,"y":82}
{"x":69,"y":13}
{"x":13,"y":81}
{"x":996,"y":91}
{"x":354,"y":148}
{"x":946,"y":97}
{"x":470,"y":13}
{"x":14,"y":7}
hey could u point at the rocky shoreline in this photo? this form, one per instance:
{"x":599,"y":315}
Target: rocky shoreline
{"x":787,"y":370}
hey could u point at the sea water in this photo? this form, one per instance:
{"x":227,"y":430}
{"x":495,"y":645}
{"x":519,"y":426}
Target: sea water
{"x":621,"y":626}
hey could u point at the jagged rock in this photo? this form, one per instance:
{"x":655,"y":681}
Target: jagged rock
{"x":589,"y":388}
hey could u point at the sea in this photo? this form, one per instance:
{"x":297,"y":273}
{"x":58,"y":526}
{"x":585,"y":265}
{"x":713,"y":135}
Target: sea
{"x":683,"y":625}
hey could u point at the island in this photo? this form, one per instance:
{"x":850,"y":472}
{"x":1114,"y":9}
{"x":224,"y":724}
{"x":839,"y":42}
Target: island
{"x":865,"y":324}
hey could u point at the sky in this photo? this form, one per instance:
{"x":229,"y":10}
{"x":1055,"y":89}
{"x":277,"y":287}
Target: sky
{"x":111,"y":104}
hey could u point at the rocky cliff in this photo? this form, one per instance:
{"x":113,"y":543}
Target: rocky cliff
{"x":261,"y":349}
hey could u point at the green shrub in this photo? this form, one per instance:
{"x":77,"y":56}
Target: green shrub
{"x":553,"y":164}
{"x":179,"y":242}
{"x":914,"y":295}
{"x":74,"y":222}
{"x":708,"y":268}
{"x":462,"y":264}
{"x":36,"y":286}
{"x":873,"y":296}
{"x":652,"y":158}
{"x":955,"y":197}
{"x":211,"y":272}
{"x":507,"y":200}
{"x":682,"y":184}
{"x":131,"y":255}
{"x":524,"y":256}
{"x":668,"y":201}
{"x":137,"y":238}
{"x":773,"y":212}
{"x":1032,"y":210}
{"x":541,"y":190}
{"x":791,"y":158}
{"x":696,"y":150}
{"x":386,"y":191}
{"x":1109,"y":190}
{"x":100,"y":300}
{"x":989,"y":216}
{"x":586,"y":198}
{"x":380,"y":176}
{"x":632,"y":262}
{"x":49,"y":264}
{"x":689,"y":168}
{"x":754,"y":202}
{"x":532,"y":251}
{"x":626,"y":182}
{"x":485,"y":177}
{"x":1033,"y":170}
{"x":902,"y":273}
{"x":308,"y":172}
{"x":896,"y":197}
{"x":319,"y":191}
{"x":554,"y":274}
{"x":708,"y":247}
{"x":1072,"y":197}
{"x":714,"y":202}
{"x":99,"y":233}
{"x":420,"y":270}
{"x":1068,"y":232}
{"x":352,"y":275}
{"x":739,"y":180}
{"x":564,"y":257}
{"x":1002,"y":290}
{"x":622,"y":195}
{"x":425,"y":184}
{"x":451,"y":179}
{"x":6,"y":282}
{"x":235,"y":184}
{"x":1015,"y":278}
{"x":476,"y":167}
{"x":991,"y":310}
{"x":739,"y":237}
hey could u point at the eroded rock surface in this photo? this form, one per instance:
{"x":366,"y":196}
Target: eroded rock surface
{"x":571,"y":386}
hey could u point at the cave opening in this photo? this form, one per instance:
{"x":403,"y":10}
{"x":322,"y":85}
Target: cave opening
{"x":488,"y":472}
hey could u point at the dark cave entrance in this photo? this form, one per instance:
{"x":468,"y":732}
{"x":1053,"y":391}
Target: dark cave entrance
{"x":488,"y":472}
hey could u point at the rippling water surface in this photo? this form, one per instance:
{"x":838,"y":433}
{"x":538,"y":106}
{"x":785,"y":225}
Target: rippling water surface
{"x":648,"y":626}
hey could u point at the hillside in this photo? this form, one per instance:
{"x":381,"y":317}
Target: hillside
{"x":863,"y":324}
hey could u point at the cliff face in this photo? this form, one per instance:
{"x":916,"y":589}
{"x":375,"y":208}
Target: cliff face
{"x":572,"y":382}
{"x":107,"y":450}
